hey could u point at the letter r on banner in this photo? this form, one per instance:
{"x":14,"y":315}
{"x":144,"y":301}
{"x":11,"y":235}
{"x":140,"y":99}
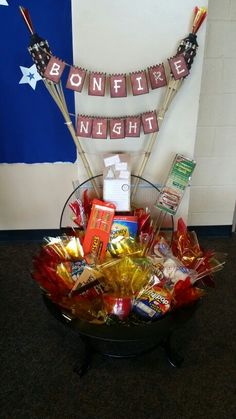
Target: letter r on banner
{"x":157,"y":76}
{"x":54,"y":69}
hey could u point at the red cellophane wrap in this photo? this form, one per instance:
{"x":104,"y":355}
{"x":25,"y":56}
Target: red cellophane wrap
{"x":186,"y":248}
{"x":81,"y":210}
{"x":145,"y":225}
{"x":185,"y":245}
{"x":184,"y":293}
{"x":44,"y":272}
{"x":52,"y":270}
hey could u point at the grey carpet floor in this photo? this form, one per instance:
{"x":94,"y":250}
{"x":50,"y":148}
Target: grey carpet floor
{"x":38,"y":354}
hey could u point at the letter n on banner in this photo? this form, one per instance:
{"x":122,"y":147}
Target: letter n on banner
{"x":54,"y":69}
{"x":139,"y":83}
{"x":132,"y":126}
{"x":76,"y":79}
{"x":84,"y":126}
{"x":99,"y":129}
{"x":97,"y":84}
{"x":117,"y":128}
{"x":178,"y":67}
{"x":149,"y":121}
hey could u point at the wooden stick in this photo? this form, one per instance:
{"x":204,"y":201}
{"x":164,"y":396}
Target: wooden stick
{"x":171,"y":90}
{"x":56,"y":91}
{"x":159,"y":223}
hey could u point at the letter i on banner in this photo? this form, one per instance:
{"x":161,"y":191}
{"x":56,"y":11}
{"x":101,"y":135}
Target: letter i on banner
{"x":54,"y":69}
{"x":139,"y":83}
{"x":99,"y":129}
{"x":76,"y":79}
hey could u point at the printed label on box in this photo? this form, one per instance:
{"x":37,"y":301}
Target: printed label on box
{"x":172,"y":192}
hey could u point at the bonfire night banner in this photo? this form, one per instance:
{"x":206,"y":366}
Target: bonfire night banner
{"x":154,"y":76}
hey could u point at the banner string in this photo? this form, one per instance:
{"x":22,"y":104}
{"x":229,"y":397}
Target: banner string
{"x":96,"y":71}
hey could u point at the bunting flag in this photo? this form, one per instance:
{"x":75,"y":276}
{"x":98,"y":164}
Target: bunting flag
{"x":116,"y":128}
{"x":154,"y":76}
{"x":32,"y":129}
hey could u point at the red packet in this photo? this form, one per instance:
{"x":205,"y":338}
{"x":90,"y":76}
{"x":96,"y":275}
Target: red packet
{"x":98,"y":230}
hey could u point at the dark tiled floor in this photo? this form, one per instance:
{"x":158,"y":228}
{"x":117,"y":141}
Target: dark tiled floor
{"x":38,"y":355}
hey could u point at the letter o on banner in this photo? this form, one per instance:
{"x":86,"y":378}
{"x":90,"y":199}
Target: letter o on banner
{"x":76,"y":79}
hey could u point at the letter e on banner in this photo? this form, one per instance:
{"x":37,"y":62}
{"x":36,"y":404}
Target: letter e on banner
{"x":178,"y":67}
{"x":99,"y":129}
{"x":54,"y":69}
{"x":139,"y":83}
{"x":117,"y":128}
{"x":84,"y":126}
{"x":97,"y":84}
{"x":157,"y":76}
{"x":76,"y":79}
{"x":132,"y":126}
{"x":149,"y":121}
{"x":118,"y":85}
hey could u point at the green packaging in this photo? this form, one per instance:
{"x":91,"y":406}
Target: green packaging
{"x":178,"y":179}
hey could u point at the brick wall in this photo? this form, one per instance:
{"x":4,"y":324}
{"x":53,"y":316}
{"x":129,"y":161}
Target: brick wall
{"x":213,"y":190}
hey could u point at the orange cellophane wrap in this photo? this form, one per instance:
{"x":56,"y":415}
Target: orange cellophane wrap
{"x":185,"y":245}
{"x":186,"y":248}
{"x":91,"y":310}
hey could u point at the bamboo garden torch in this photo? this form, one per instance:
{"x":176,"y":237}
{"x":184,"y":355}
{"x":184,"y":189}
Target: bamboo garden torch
{"x":40,"y":52}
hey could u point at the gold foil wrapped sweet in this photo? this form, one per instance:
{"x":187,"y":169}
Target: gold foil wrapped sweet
{"x":123,"y":247}
{"x":65,"y":247}
{"x":125,"y":276}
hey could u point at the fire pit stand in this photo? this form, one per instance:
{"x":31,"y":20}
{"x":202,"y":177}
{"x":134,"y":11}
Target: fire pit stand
{"x":123,"y":341}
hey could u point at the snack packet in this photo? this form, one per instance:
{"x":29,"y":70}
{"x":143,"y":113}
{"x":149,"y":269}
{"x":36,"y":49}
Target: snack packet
{"x":152,"y":303}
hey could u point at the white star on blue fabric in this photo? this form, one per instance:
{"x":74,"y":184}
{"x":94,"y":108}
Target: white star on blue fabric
{"x":3,"y":3}
{"x":30,"y":76}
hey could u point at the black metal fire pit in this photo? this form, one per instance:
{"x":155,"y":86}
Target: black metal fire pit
{"x":122,"y":340}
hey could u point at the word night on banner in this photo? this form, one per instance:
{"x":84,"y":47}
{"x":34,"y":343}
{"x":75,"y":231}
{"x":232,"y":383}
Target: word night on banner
{"x":118,"y":128}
